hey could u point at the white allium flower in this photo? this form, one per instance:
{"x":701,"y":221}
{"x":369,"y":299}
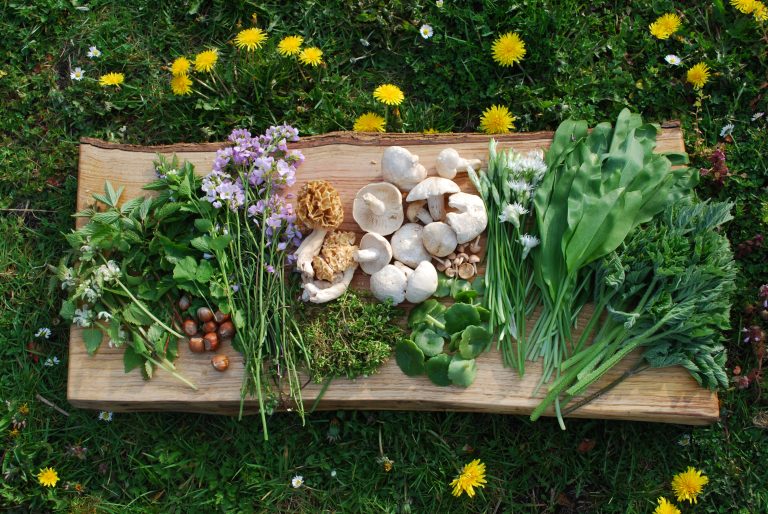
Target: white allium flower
{"x":519,"y":186}
{"x":529,"y":242}
{"x":727,"y":130}
{"x":93,"y":52}
{"x":673,"y":60}
{"x":43,"y":332}
{"x":426,"y":31}
{"x":333,"y":473}
{"x":297,"y":481}
{"x":77,"y":74}
{"x":511,"y":214}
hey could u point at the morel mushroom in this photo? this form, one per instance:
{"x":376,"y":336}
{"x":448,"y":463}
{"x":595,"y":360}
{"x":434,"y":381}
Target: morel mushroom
{"x":401,"y":168}
{"x":336,"y":255}
{"x":318,"y":207}
{"x":449,"y":163}
{"x":378,"y":208}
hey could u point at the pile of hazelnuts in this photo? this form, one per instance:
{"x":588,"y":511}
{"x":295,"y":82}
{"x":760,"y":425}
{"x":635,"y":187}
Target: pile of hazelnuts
{"x":208,"y":332}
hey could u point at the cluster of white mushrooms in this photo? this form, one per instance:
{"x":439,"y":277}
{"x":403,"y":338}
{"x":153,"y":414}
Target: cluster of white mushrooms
{"x":430,"y":232}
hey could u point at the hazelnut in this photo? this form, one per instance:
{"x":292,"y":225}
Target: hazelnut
{"x":220,"y":362}
{"x":211,"y":342}
{"x":190,"y":327}
{"x":204,"y":314}
{"x":226,"y":330}
{"x":196,"y":344}
{"x":210,"y":326}
{"x":764,"y":314}
{"x":184,"y":303}
{"x":220,"y":317}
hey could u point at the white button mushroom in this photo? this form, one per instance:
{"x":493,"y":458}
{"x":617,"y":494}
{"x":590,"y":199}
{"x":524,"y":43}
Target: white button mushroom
{"x":316,"y":294}
{"x":378,"y":208}
{"x":407,"y":246}
{"x":402,"y":168}
{"x":432,"y":190}
{"x":389,"y":283}
{"x":449,"y":162}
{"x":422,"y":283}
{"x":374,"y":253}
{"x":417,"y":212}
{"x":402,"y":267}
{"x":439,"y":239}
{"x":471,"y":218}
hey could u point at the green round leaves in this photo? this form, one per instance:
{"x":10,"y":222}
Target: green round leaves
{"x":474,"y":341}
{"x":409,"y":357}
{"x":459,"y":316}
{"x":437,"y":369}
{"x":462,"y":372}
{"x":429,"y":342}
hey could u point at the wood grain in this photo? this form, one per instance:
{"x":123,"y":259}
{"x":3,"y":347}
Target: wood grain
{"x":349,"y":161}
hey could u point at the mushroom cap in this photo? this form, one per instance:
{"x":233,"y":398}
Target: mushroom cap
{"x":471,"y":218}
{"x":422,"y":283}
{"x":389,"y":283}
{"x":407,"y":247}
{"x":382,"y":249}
{"x":432,"y":186}
{"x":385,"y":197}
{"x":439,"y":239}
{"x":402,"y":168}
{"x":449,"y":161}
{"x":318,"y":205}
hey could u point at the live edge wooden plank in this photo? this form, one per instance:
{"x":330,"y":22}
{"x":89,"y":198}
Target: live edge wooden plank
{"x":350,"y":160}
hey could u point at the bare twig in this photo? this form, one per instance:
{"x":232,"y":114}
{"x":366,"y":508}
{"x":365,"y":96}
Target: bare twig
{"x":52,"y":405}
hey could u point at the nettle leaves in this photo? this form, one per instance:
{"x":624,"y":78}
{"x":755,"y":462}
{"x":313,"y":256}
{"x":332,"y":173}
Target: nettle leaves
{"x":445,"y":341}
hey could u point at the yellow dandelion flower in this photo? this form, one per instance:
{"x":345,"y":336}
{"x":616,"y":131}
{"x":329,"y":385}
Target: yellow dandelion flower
{"x":473,"y":475}
{"x":24,"y":409}
{"x":745,"y":6}
{"x":181,"y":85}
{"x":112,"y":79}
{"x":14,"y":433}
{"x":311,"y":56}
{"x":497,"y":120}
{"x":688,"y":484}
{"x":761,"y":11}
{"x":180,"y":66}
{"x":250,"y":39}
{"x":698,"y":75}
{"x":369,"y":122}
{"x":205,"y":61}
{"x":664,"y":507}
{"x":290,"y":45}
{"x":508,"y":49}
{"x":48,"y":477}
{"x":665,"y":26}
{"x":389,"y":94}
{"x":431,"y":131}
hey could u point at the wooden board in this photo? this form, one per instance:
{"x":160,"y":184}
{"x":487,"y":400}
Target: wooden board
{"x":349,"y":161}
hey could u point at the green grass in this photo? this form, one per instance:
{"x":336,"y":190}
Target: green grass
{"x":585,"y":59}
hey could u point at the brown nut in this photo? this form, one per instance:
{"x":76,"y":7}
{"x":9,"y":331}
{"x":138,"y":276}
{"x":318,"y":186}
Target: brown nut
{"x":220,"y":317}
{"x":190,"y":327}
{"x":210,"y":326}
{"x":211,"y":342}
{"x":220,"y":362}
{"x":764,"y":314}
{"x":184,"y":303}
{"x":226,"y":330}
{"x":196,"y":344}
{"x":204,"y":314}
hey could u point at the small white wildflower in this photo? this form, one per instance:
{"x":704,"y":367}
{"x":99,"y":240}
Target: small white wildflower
{"x":673,"y":60}
{"x":91,"y":294}
{"x":426,"y":31}
{"x":333,"y":473}
{"x":93,"y":52}
{"x":757,"y":116}
{"x":68,"y":279}
{"x":104,"y":315}
{"x":77,"y":74}
{"x":83,"y":317}
{"x":529,"y":242}
{"x":519,"y":186}
{"x":51,"y":361}
{"x":297,"y":481}
{"x":43,"y":332}
{"x":439,"y":4}
{"x":121,"y":336}
{"x":105,"y":416}
{"x":511,"y":214}
{"x":684,"y":440}
{"x":207,"y":256}
{"x":727,"y":130}
{"x":86,"y":253}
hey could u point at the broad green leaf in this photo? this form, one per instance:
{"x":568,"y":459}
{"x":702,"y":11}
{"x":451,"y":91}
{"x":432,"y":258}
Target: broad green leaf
{"x":185,"y":269}
{"x":92,"y":338}
{"x":429,"y":342}
{"x":459,"y":316}
{"x":204,"y":272}
{"x":144,"y":209}
{"x":106,"y":217}
{"x":129,"y":206}
{"x":465,"y":296}
{"x":203,"y":225}
{"x":474,"y":341}
{"x":221,"y":242}
{"x":135,"y":315}
{"x":437,"y":369}
{"x":67,"y":310}
{"x":201,"y":243}
{"x":148,"y":369}
{"x":462,"y":372}
{"x":409,"y":358}
{"x":132,"y":359}
{"x":426,"y":313}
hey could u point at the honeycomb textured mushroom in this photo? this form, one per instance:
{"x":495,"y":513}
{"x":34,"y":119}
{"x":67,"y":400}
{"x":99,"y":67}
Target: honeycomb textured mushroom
{"x":407,"y":246}
{"x":389,"y":284}
{"x":422,"y":283}
{"x":439,"y":239}
{"x":378,"y":208}
{"x":375,"y":252}
{"x":432,"y":190}
{"x":471,"y":218}
{"x":449,"y":163}
{"x":336,"y":255}
{"x":318,"y":208}
{"x":402,"y":168}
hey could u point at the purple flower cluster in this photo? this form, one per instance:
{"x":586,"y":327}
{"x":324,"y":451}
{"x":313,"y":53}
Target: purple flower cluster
{"x":251,"y":173}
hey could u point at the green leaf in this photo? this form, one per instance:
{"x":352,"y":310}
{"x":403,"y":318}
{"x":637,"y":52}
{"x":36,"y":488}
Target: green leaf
{"x":459,"y":316}
{"x":204,"y":272}
{"x":428,"y":341}
{"x":444,"y":285}
{"x":92,"y":338}
{"x":106,"y":217}
{"x":203,"y":225}
{"x":112,"y":195}
{"x":132,"y":359}
{"x":425,"y":314}
{"x":148,"y":369}
{"x":465,"y":296}
{"x":479,"y":285}
{"x":462,"y":372}
{"x":201,"y":243}
{"x":409,"y":358}
{"x":185,"y":188}
{"x":130,"y":205}
{"x":144,"y":209}
{"x":221,"y":242}
{"x":67,"y":310}
{"x":474,"y":341}
{"x":185,"y":270}
{"x":135,"y":315}
{"x":437,"y":369}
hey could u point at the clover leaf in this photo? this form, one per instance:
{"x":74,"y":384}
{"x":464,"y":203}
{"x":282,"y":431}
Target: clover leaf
{"x":409,"y":357}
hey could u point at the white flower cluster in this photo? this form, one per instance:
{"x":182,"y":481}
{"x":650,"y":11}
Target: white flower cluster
{"x":83,"y":317}
{"x":511,"y":213}
{"x":68,"y":278}
{"x":107,"y":272}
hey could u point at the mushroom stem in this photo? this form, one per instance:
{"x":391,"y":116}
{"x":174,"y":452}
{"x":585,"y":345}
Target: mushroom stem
{"x":366,"y":255}
{"x":436,"y":207}
{"x":374,"y":204}
{"x":316,"y":295}
{"x":309,"y":248}
{"x":424,"y":217}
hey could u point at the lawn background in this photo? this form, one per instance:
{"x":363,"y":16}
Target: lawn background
{"x":585,"y":59}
